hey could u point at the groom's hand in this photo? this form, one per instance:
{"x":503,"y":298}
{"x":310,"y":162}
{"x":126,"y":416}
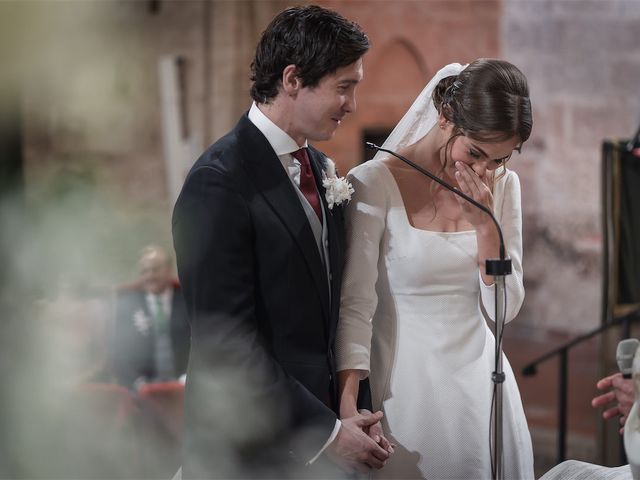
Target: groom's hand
{"x":353,"y":449}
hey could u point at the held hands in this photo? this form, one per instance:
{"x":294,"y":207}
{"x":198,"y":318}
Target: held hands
{"x":620,"y":391}
{"x":353,"y":449}
{"x":376,"y":433}
{"x":474,"y":186}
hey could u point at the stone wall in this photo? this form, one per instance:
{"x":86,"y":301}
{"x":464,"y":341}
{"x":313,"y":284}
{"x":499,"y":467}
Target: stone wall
{"x":582,"y":59}
{"x":92,"y":114}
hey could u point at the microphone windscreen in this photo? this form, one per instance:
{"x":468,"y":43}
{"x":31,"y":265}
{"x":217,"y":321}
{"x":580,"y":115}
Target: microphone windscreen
{"x":624,"y":355}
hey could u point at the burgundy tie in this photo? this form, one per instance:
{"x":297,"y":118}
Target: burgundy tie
{"x":307,"y":181}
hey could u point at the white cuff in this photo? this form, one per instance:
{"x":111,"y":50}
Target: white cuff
{"x":332,"y":437}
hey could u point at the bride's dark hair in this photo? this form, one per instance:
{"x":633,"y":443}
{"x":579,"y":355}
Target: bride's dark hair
{"x":488,"y":101}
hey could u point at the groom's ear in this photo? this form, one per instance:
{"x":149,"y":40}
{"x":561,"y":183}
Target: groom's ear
{"x":291,"y":83}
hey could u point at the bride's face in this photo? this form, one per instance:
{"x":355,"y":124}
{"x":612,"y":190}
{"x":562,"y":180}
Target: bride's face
{"x":482,"y":157}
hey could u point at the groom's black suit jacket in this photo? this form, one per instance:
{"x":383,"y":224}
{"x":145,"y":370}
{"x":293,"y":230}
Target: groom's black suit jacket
{"x":261,"y":381}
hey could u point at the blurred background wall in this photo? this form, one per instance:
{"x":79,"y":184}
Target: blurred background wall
{"x":93,"y":100}
{"x":105,"y":105}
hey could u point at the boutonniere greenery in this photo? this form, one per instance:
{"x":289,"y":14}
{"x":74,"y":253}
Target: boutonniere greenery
{"x":142,"y":322}
{"x":337,"y":189}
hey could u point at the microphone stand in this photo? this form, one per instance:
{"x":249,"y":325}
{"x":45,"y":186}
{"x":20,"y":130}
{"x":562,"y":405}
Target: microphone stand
{"x":498,"y":268}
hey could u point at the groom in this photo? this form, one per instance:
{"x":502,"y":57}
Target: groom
{"x":260,"y":256}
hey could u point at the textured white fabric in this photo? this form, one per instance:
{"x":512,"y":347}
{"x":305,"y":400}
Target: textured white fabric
{"x":410,"y":315}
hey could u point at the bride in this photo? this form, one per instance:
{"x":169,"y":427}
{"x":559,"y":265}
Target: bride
{"x":416,"y":298}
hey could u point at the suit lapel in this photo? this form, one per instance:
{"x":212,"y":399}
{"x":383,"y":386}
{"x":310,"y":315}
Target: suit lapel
{"x":265,"y":170}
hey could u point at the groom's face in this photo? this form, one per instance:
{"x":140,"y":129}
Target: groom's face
{"x":319,"y":110}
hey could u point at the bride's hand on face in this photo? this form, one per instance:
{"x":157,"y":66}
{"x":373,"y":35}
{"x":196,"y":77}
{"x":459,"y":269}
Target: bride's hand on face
{"x":475,"y":187}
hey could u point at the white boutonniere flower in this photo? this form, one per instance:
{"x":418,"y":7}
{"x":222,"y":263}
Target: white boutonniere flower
{"x":337,"y":189}
{"x":142,"y":322}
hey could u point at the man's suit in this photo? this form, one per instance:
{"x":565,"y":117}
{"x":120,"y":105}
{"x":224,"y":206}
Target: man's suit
{"x":262,"y":310}
{"x":134,"y":336}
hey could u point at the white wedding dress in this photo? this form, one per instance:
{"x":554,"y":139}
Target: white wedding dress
{"x":411,"y":319}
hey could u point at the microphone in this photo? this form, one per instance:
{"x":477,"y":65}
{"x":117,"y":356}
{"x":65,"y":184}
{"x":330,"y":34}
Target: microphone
{"x":624,"y":355}
{"x":504,"y":265}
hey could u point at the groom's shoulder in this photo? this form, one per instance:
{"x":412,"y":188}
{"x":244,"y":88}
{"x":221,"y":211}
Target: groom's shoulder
{"x":221,"y":155}
{"x":224,"y":156}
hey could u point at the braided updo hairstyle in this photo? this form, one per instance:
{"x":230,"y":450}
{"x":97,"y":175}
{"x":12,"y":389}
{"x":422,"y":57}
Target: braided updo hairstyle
{"x":488,"y":101}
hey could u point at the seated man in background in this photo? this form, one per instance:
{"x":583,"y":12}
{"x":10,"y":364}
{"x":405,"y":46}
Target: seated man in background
{"x":618,"y":400}
{"x":151,"y":333}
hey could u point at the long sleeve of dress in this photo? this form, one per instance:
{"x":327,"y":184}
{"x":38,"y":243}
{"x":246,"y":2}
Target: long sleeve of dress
{"x":508,"y":211}
{"x":365,"y":223}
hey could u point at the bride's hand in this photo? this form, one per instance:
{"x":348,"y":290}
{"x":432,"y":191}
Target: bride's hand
{"x":475,"y":187}
{"x":376,"y":433}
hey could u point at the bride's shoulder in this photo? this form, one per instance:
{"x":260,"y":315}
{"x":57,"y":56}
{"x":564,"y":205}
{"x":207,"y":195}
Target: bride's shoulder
{"x":371,"y":180}
{"x":507,"y":185}
{"x":372,"y":169}
{"x":508,"y":178}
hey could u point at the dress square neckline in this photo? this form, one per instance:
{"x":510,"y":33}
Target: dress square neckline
{"x":406,"y":214}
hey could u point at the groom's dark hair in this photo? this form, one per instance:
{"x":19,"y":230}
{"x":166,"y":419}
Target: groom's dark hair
{"x":316,"y":40}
